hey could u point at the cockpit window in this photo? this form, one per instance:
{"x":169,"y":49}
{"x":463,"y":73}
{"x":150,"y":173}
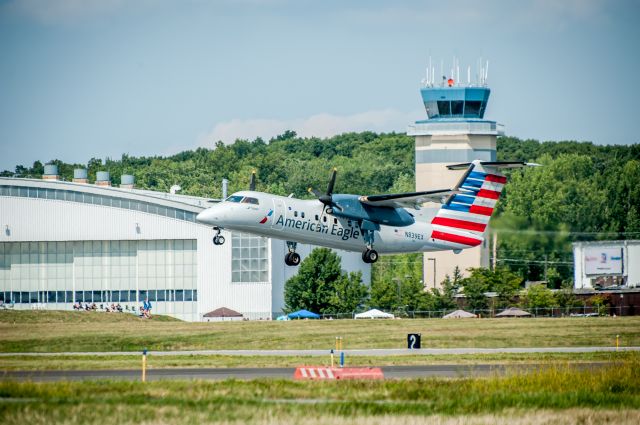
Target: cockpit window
{"x":249,"y":200}
{"x":234,"y":198}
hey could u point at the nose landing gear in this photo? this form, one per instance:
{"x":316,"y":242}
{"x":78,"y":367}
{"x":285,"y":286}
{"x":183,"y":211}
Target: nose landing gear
{"x":218,"y":239}
{"x":292,"y":258}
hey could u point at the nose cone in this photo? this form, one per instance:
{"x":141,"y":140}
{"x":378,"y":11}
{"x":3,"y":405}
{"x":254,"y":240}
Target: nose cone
{"x":213,"y":215}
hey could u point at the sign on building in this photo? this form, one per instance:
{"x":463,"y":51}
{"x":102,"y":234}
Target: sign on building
{"x":603,"y":260}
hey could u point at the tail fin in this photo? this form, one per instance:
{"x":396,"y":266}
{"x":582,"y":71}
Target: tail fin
{"x":463,"y":219}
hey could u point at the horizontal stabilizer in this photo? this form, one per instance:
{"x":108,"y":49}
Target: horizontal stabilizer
{"x":494,"y":164}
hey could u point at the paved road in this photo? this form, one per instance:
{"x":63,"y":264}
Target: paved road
{"x":359,"y":352}
{"x":390,"y":372}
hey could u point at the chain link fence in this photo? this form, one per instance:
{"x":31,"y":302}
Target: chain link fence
{"x":575,"y":311}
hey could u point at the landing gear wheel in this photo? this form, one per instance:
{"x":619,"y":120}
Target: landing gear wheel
{"x":370,"y":256}
{"x":218,"y":240}
{"x":292,"y":259}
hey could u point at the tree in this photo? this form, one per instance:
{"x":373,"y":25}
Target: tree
{"x":506,"y":284}
{"x":539,"y":296}
{"x":384,"y":294}
{"x":350,"y":293}
{"x":502,"y":281}
{"x":475,"y":287}
{"x":444,"y":299}
{"x":599,"y":302}
{"x":322,"y":287}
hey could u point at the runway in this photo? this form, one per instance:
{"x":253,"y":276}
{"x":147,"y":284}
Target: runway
{"x":390,"y":372}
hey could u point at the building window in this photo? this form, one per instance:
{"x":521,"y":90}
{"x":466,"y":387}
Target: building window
{"x":249,"y":262}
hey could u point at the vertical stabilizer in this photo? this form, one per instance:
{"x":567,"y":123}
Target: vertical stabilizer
{"x":464,"y":218}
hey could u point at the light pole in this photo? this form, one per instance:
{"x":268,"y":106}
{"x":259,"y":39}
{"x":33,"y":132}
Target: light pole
{"x":434,"y":271}
{"x":397,"y":281}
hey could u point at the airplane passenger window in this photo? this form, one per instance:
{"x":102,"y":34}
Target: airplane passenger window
{"x":324,"y":218}
{"x":234,"y":198}
{"x":248,"y":200}
{"x":317,"y":217}
{"x":335,"y":221}
{"x":295,"y":213}
{"x":302,"y":214}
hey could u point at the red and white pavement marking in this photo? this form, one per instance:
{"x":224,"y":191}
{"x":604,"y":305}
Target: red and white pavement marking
{"x":321,"y":372}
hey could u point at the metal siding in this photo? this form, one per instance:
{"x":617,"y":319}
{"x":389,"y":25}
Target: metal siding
{"x":632,"y":264}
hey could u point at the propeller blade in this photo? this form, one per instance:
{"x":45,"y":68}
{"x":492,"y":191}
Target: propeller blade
{"x":332,"y":182}
{"x":252,"y":182}
{"x":315,"y":192}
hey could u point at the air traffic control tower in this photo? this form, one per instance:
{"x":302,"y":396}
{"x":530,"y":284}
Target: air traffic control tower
{"x":454,"y":132}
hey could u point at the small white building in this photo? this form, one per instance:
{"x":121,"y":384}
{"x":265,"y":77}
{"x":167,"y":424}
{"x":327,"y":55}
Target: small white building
{"x":67,"y":242}
{"x":603,"y":264}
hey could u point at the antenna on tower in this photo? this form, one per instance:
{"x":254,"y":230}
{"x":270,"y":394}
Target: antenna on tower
{"x":486,"y":72}
{"x":468,"y":75}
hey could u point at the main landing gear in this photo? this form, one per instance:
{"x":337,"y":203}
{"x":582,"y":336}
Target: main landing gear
{"x":370,"y":255}
{"x":218,"y":239}
{"x":292,"y":258}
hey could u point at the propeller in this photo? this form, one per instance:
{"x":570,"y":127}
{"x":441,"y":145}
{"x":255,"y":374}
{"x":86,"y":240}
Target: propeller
{"x":327,"y":198}
{"x":252,"y":181}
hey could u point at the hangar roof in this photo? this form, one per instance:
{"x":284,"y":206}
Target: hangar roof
{"x":165,"y":204}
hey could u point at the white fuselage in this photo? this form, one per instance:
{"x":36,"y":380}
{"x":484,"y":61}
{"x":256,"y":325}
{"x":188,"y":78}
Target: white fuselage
{"x":305,"y":221}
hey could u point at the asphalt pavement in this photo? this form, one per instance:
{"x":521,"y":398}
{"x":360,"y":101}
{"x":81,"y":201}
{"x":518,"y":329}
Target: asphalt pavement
{"x":390,"y":372}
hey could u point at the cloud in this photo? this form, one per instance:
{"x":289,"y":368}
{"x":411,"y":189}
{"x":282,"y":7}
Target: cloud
{"x":319,"y":125}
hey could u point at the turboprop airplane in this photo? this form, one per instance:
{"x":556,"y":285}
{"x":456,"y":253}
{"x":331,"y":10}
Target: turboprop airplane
{"x":373,"y":224}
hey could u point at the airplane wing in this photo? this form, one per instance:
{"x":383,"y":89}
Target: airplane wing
{"x":408,"y":200}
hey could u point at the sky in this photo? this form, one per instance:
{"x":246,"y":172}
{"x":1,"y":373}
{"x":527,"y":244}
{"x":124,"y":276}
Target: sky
{"x":83,"y":79}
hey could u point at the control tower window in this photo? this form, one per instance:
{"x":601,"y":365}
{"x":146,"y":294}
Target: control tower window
{"x":444,"y":107}
{"x":457,"y":107}
{"x":472,"y":107}
{"x":432,"y":109}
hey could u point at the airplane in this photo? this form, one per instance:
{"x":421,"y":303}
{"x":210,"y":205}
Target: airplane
{"x":373,"y":224}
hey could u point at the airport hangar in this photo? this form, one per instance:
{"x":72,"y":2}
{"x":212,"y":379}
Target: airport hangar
{"x":67,"y":242}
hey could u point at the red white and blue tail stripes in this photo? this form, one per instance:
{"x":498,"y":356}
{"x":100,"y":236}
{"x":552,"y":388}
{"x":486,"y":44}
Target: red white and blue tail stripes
{"x":464,"y":219}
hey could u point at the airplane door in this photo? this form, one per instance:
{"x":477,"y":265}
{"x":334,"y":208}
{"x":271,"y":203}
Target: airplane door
{"x":279,"y":214}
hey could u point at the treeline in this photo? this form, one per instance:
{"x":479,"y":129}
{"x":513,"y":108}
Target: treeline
{"x":322,"y":287}
{"x":582,"y":192}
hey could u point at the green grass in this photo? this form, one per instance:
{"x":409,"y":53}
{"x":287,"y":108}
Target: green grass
{"x":612,"y":392}
{"x":64,"y":362}
{"x":42,"y":331}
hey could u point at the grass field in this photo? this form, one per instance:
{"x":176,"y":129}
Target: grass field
{"x":42,"y":331}
{"x":551,"y":395}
